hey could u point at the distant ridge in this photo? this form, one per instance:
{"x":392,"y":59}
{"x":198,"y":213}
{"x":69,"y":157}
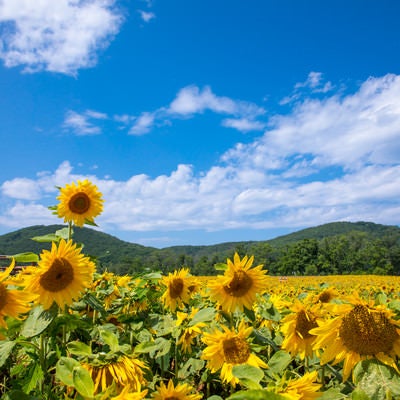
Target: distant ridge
{"x":97,"y":242}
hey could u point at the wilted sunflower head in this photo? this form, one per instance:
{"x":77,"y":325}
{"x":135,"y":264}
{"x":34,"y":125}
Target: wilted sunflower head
{"x":79,"y":202}
{"x":62,"y":274}
{"x":239,"y":285}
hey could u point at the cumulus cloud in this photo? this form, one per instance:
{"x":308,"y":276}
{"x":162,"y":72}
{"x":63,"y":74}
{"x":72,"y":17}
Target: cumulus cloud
{"x":330,"y":159}
{"x":58,"y":36}
{"x":192,"y":100}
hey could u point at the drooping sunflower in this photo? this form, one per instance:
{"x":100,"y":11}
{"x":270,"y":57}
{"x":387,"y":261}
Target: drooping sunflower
{"x":182,"y":391}
{"x":296,"y":328}
{"x":13,"y":302}
{"x":79,"y":202}
{"x":62,"y":274}
{"x":124,"y":371}
{"x":229,"y":348}
{"x":360,"y":330}
{"x":239,"y":285}
{"x":177,"y":290}
{"x":304,"y":388}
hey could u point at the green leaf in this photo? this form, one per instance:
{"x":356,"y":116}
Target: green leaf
{"x":18,"y":395}
{"x":146,"y":347}
{"x":32,"y":377}
{"x":79,"y":348}
{"x":83,"y":382}
{"x":191,"y":366}
{"x":26,"y":257}
{"x":248,"y":375}
{"x":215,"y":397}
{"x":5,"y":350}
{"x":377,"y":380}
{"x":110,"y":338}
{"x":279,"y":361}
{"x":90,"y":222}
{"x":359,"y":394}
{"x":250,"y":314}
{"x":63,"y":233}
{"x":261,"y":394}
{"x":333,"y":394}
{"x":206,"y":314}
{"x":64,"y":370}
{"x":38,"y":320}
{"x":220,"y":266}
{"x":51,"y":237}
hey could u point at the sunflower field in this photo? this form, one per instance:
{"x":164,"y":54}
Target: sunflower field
{"x":69,"y":332}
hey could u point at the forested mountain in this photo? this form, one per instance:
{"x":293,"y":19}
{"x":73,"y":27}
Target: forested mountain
{"x":339,"y":247}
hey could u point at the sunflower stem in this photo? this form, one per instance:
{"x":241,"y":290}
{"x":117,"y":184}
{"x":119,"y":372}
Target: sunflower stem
{"x":69,"y":230}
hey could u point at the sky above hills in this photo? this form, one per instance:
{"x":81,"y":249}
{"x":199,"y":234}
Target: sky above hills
{"x":201,"y":121}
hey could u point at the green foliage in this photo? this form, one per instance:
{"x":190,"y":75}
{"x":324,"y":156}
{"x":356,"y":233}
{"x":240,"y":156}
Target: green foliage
{"x":334,"y":248}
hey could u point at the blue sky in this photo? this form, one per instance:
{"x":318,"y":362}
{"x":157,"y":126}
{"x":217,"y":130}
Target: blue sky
{"x":201,"y":121}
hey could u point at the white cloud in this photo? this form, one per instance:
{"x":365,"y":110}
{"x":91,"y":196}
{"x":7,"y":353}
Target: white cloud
{"x":21,"y":188}
{"x":328,"y":160}
{"x":146,"y":16}
{"x":83,"y":124}
{"x":243,"y":124}
{"x":193,"y":100}
{"x":143,"y":124}
{"x":59,"y":36}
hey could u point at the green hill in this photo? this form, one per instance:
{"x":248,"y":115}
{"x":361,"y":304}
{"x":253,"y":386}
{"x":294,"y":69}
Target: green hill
{"x":124,"y":257}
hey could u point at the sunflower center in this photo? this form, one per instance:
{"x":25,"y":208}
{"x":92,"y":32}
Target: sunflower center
{"x":304,"y":322}
{"x":239,"y":285}
{"x":3,"y":296}
{"x":236,"y":350}
{"x":367,"y":333}
{"x":175,"y":288}
{"x":58,"y":277}
{"x":79,"y":203}
{"x":325,"y":297}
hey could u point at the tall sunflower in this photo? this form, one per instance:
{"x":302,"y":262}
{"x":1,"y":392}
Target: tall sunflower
{"x":296,"y":328}
{"x":62,"y":274}
{"x":359,"y":331}
{"x":239,"y":285}
{"x":79,"y":202}
{"x":124,"y":371}
{"x":229,"y":348}
{"x":182,"y":391}
{"x":177,"y":290}
{"x":13,"y":302}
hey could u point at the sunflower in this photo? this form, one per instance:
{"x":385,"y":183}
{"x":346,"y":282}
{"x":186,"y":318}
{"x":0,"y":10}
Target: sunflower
{"x":62,"y":274}
{"x":304,"y":388}
{"x":229,"y":348}
{"x":177,"y":289}
{"x":359,"y":331}
{"x":126,"y":394}
{"x":296,"y":329}
{"x":182,"y":391}
{"x":13,"y":302}
{"x":239,"y":285}
{"x":79,"y":203}
{"x":125,"y":371}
